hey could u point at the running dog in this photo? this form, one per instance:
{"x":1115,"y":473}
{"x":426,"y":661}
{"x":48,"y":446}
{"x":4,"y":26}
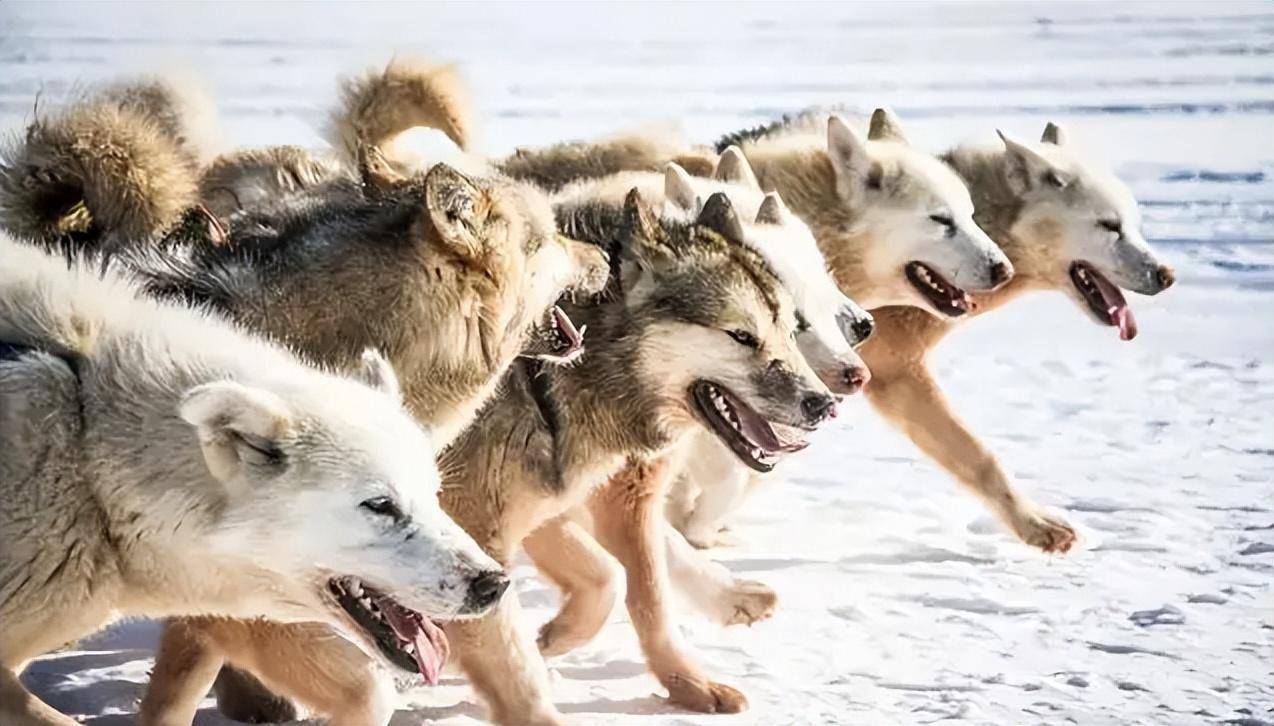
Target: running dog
{"x":159,"y":461}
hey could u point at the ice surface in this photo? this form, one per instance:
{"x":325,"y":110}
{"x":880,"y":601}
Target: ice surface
{"x":900,"y":601}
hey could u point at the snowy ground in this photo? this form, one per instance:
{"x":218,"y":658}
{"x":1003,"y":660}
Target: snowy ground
{"x":901,"y":601}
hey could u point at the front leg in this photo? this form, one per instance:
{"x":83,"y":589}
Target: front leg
{"x":186,"y":664}
{"x":904,"y":392}
{"x":504,"y":666}
{"x":569,"y":556}
{"x":19,"y":707}
{"x":628,"y":522}
{"x":712,"y":589}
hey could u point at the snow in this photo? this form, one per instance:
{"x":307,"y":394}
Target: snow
{"x":901,"y":600}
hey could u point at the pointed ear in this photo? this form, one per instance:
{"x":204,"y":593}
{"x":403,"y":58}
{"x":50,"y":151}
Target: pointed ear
{"x":733,"y":167}
{"x":1053,"y":134}
{"x":238,"y":426}
{"x":678,"y":188}
{"x":885,"y":126}
{"x":772,"y":210}
{"x":848,"y":154}
{"x":719,"y":216}
{"x":643,"y":240}
{"x":457,"y":208}
{"x":1027,"y":169}
{"x":376,"y":372}
{"x":375,"y":170}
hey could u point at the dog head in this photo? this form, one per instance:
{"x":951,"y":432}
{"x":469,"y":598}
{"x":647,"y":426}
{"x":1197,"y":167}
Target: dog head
{"x":1078,"y":230}
{"x":504,"y":231}
{"x":829,"y":324}
{"x":331,"y":489}
{"x":715,"y":329}
{"x":924,"y":249}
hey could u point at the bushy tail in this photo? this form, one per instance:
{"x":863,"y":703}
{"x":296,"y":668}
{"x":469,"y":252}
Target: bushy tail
{"x":120,"y":164}
{"x":382,"y":103}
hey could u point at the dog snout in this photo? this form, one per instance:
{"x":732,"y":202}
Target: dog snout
{"x":856,"y":378}
{"x":818,"y":407}
{"x":1001,"y":272}
{"x":485,"y":591}
{"x":1163,"y":278}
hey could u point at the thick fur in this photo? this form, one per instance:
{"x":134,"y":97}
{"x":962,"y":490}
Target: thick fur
{"x":116,"y":166}
{"x":553,"y":435}
{"x":1043,"y":204}
{"x":554,"y":167}
{"x":384,"y":102}
{"x":159,"y":461}
{"x":447,"y":274}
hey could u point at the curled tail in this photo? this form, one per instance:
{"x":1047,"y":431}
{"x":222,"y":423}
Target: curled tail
{"x":382,"y":103}
{"x":117,"y":166}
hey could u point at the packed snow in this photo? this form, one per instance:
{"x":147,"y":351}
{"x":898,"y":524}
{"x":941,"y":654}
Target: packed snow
{"x":902,"y":601}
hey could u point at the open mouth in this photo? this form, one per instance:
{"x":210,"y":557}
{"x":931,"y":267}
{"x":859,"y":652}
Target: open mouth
{"x":745,"y":431}
{"x":404,"y":637}
{"x":1104,"y":299}
{"x":556,"y":340}
{"x":942,"y":295}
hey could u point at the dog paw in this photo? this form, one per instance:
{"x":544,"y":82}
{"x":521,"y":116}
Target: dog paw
{"x":748,"y":602}
{"x":704,"y":696}
{"x":1044,"y":531}
{"x":557,"y":638}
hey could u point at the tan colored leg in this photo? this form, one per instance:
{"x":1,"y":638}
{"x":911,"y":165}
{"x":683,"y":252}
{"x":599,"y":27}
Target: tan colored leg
{"x":712,"y":589}
{"x":581,"y":569}
{"x":628,"y":521}
{"x":904,"y":392}
{"x":186,"y":664}
{"x":19,"y":707}
{"x":504,"y":666}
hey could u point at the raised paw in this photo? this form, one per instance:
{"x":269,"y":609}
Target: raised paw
{"x":748,"y":602}
{"x":558,"y":638}
{"x":1045,"y":532}
{"x":705,"y":696}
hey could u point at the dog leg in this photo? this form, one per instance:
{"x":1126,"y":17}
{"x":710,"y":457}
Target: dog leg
{"x":19,"y":707}
{"x":628,"y":521}
{"x":581,"y":569}
{"x":910,"y":399}
{"x":504,"y":666}
{"x":186,"y":664}
{"x":712,"y":589}
{"x":719,"y":498}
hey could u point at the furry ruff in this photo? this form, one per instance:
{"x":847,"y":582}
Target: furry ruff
{"x":382,"y":103}
{"x":98,"y":170}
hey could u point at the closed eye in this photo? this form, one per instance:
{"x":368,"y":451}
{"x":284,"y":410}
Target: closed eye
{"x":384,"y":507}
{"x":1111,"y":225}
{"x":802,"y":324}
{"x":744,"y":338}
{"x":945,"y":221}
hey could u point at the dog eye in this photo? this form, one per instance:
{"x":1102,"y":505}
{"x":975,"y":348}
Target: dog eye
{"x":946,"y":222}
{"x":744,"y":338}
{"x":384,"y":507}
{"x":802,"y":324}
{"x":1111,"y":225}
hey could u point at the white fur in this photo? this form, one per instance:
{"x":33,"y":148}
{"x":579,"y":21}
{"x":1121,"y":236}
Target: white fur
{"x":144,"y":473}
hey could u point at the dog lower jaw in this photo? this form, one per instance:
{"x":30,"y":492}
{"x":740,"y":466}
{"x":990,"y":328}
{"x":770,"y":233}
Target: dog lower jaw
{"x":942,"y":297}
{"x":1103,"y":298}
{"x":402,"y":637}
{"x":722,"y":411}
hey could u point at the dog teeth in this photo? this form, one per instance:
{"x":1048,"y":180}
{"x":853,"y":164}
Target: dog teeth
{"x":410,"y":648}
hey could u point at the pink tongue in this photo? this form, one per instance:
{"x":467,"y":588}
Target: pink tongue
{"x":1116,"y":306}
{"x":430,"y":643}
{"x":1124,"y":319}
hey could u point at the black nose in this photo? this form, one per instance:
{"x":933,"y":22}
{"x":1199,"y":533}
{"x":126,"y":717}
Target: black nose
{"x":817,"y":407}
{"x":1165,"y":277}
{"x":863,"y":328}
{"x":484,"y":591}
{"x":1000,"y":273}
